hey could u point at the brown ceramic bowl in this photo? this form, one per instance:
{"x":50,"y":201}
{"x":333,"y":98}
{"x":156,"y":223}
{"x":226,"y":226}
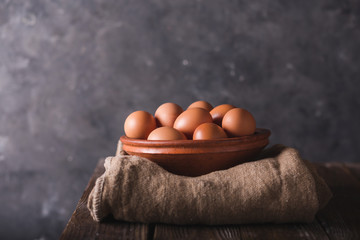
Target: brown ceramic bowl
{"x":198,"y":157}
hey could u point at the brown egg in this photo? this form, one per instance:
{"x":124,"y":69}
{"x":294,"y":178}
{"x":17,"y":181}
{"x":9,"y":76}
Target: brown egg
{"x":166,"y":114}
{"x":209,"y":131}
{"x":139,"y":125}
{"x":238,"y":122}
{"x":190,"y":119}
{"x":166,"y":133}
{"x":219,"y":112}
{"x":201,"y":104}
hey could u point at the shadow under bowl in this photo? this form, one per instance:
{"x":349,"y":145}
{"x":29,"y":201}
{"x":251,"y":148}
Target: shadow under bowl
{"x":198,"y":157}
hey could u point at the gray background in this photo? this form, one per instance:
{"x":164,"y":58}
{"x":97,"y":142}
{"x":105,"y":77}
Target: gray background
{"x":71,"y":71}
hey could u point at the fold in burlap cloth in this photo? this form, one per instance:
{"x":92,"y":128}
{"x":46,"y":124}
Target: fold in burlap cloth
{"x":281,"y":187}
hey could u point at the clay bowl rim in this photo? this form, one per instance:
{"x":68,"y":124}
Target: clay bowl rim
{"x":260,"y":134}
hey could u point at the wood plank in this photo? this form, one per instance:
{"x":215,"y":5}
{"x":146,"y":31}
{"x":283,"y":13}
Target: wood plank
{"x":354,"y":168}
{"x":309,"y":231}
{"x":164,"y":231}
{"x":82,"y":226}
{"x":249,"y":231}
{"x":341,"y":217}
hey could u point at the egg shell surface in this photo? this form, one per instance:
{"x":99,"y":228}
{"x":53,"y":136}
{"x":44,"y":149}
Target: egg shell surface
{"x":219,"y":112}
{"x":238,"y":122}
{"x":167,"y":113}
{"x":166,"y":133}
{"x":209,"y":131}
{"x":139,"y":124}
{"x":190,"y":119}
{"x":201,"y":104}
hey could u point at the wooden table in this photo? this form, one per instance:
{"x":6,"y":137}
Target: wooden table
{"x":340,"y":219}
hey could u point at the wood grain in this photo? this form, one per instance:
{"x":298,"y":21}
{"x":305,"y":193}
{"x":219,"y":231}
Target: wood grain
{"x":312,"y":231}
{"x":250,"y":231}
{"x":82,"y":226}
{"x":354,"y":169}
{"x":341,"y":217}
{"x":163,"y":231}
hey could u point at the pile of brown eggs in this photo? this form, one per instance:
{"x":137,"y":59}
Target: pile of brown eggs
{"x":200,"y":121}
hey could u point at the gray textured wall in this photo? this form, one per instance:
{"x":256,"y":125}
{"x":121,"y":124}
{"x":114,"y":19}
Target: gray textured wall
{"x":71,"y":71}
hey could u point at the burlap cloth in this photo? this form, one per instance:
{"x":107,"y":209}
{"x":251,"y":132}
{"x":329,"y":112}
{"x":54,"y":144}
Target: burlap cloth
{"x":281,"y":187}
